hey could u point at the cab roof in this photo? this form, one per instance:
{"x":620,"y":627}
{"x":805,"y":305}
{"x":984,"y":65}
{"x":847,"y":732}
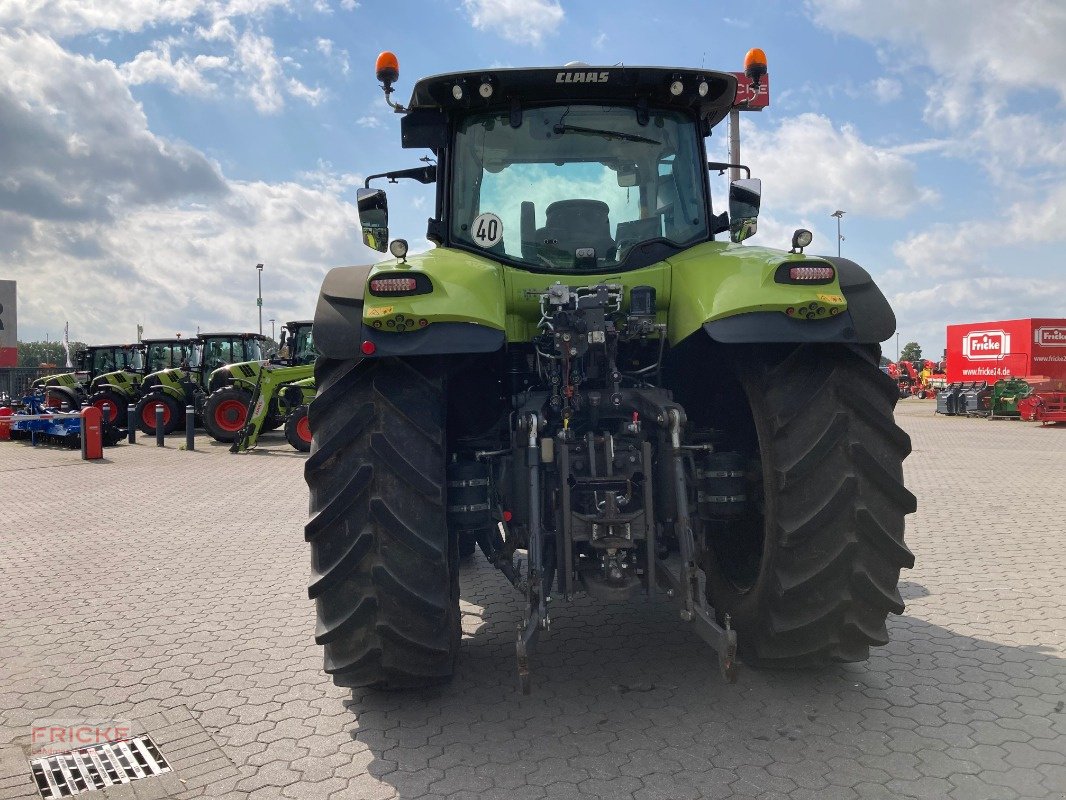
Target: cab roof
{"x":577,"y":83}
{"x":232,"y":335}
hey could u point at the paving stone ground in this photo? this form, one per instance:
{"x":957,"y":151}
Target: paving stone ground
{"x":168,"y":588}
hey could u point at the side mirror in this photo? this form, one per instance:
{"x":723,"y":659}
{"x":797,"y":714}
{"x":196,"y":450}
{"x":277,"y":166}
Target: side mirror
{"x":745,"y":195}
{"x":628,"y":176}
{"x":373,"y":217}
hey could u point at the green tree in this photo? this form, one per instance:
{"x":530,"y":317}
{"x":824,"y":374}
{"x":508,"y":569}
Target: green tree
{"x":912,"y":351}
{"x":33,"y":354}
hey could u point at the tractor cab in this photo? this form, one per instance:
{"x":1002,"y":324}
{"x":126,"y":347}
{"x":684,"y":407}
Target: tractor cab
{"x":220,"y":349}
{"x":297,"y":345}
{"x":574,"y":170}
{"x":99,"y":359}
{"x":159,"y":354}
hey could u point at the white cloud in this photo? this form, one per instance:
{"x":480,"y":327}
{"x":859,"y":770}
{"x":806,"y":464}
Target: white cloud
{"x":521,"y":21}
{"x":600,"y":41}
{"x":349,"y":5}
{"x":816,"y":166}
{"x":152,"y":229}
{"x":304,"y":92}
{"x":73,"y":17}
{"x":886,"y":89}
{"x":370,"y":121}
{"x":324,"y":46}
{"x":185,"y":75}
{"x":76,"y":145}
{"x":923,"y":313}
{"x":1005,"y":45}
{"x":266,"y":81}
{"x":261,"y":67}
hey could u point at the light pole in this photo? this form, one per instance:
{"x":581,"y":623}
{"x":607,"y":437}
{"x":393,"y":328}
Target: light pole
{"x":897,"y":347}
{"x":271,"y":329}
{"x":839,"y":215}
{"x":259,"y":302}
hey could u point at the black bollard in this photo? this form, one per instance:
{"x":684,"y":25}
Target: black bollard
{"x":131,"y":424}
{"x":190,"y":428}
{"x":159,"y":425}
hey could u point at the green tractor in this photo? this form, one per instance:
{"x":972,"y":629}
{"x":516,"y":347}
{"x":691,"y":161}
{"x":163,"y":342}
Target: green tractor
{"x":236,"y":388}
{"x":174,"y":388}
{"x":113,"y":392}
{"x":594,"y":379}
{"x":67,"y":391}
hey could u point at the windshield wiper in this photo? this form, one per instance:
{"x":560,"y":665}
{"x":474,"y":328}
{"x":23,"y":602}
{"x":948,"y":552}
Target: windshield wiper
{"x":625,"y":137}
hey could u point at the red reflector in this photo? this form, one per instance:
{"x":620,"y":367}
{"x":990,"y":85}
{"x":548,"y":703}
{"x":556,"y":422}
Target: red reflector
{"x":811,"y":273}
{"x":393,"y":285}
{"x":368,"y":347}
{"x":507,"y":516}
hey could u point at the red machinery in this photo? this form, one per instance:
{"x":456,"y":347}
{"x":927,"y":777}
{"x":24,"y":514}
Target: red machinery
{"x":1047,"y":408}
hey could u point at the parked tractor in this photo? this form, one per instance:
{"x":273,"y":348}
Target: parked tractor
{"x":236,"y":388}
{"x":67,"y":391}
{"x":174,"y":388}
{"x":113,"y":392}
{"x":594,"y":378}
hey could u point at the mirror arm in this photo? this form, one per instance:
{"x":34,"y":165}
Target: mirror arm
{"x":721,"y":166}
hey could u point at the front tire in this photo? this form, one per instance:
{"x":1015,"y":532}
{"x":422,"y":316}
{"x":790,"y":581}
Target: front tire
{"x":112,"y":407}
{"x":173,"y":414}
{"x":833,"y":511}
{"x":384,"y":568}
{"x":298,"y":430}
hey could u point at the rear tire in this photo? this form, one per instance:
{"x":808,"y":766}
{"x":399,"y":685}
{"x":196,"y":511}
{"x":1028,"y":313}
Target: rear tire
{"x":833,"y":512}
{"x":298,"y":430}
{"x":385,"y":572}
{"x":173,"y":414}
{"x":226,"y":412}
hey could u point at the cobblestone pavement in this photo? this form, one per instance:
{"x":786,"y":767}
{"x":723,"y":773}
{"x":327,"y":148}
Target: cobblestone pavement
{"x":167,"y":588}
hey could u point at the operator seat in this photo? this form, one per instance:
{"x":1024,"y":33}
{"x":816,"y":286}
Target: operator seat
{"x":571,"y":224}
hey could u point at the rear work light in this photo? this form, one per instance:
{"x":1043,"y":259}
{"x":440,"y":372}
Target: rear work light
{"x":396,"y":285}
{"x":811,"y":273}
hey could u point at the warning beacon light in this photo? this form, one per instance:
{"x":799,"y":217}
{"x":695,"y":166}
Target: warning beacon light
{"x":387,"y":70}
{"x":754,"y":65}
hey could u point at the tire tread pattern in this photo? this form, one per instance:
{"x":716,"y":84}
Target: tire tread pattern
{"x":384,"y":572}
{"x":840,"y":508}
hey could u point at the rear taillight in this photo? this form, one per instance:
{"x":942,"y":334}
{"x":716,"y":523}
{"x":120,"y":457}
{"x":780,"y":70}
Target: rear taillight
{"x":398,"y":284}
{"x":820,"y":274}
{"x":393,"y":285}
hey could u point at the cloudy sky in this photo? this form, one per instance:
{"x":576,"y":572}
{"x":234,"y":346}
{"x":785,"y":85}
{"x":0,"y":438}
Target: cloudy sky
{"x":153,"y":151}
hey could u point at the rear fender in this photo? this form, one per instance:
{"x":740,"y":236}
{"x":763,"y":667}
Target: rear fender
{"x":462,"y":308}
{"x":121,"y":382}
{"x":741,"y":294}
{"x":868,"y":318}
{"x":170,"y":382}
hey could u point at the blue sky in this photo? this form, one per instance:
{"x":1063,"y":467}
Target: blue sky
{"x":151,"y":152}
